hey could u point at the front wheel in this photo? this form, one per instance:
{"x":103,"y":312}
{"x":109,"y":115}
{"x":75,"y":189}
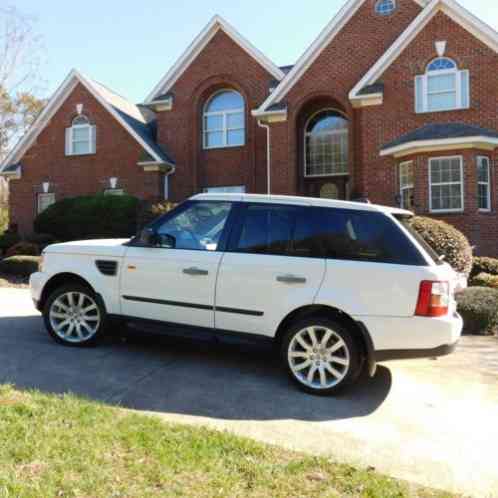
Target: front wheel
{"x":320,"y":356}
{"x":74,"y":316}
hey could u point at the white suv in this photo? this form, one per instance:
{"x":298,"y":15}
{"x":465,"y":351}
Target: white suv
{"x":336,"y":286}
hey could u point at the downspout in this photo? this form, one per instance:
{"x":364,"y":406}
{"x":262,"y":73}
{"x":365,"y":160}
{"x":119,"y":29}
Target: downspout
{"x":268,"y":153}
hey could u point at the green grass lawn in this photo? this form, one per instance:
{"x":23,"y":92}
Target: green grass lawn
{"x":63,"y":446}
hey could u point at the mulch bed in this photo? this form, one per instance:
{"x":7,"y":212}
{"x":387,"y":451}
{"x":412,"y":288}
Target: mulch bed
{"x":13,"y":281}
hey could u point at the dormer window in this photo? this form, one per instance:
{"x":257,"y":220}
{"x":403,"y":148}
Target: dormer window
{"x":385,"y":7}
{"x":443,"y":87}
{"x":80,"y":137}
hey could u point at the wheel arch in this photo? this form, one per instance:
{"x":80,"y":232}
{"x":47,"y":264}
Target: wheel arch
{"x":59,"y":280}
{"x":360,"y":332}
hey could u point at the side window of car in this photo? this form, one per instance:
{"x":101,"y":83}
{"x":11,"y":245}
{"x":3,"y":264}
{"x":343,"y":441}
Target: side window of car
{"x":278,"y":230}
{"x":198,"y":227}
{"x":366,"y":236}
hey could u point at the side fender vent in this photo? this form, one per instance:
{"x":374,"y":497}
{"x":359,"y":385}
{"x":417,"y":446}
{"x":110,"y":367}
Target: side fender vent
{"x":109,"y":268}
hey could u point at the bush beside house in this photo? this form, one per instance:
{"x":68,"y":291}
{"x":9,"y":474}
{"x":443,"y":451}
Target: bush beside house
{"x":96,"y":216}
{"x":479,"y":309}
{"x":446,"y":241}
{"x":19,"y":266}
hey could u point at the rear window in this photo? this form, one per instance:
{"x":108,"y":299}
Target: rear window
{"x":405,"y":221}
{"x":366,"y":236}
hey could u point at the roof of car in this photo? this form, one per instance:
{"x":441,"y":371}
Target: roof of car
{"x":302,"y":201}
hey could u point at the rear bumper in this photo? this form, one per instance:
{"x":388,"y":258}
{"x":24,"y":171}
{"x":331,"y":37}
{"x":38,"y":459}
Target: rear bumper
{"x":412,"y":354}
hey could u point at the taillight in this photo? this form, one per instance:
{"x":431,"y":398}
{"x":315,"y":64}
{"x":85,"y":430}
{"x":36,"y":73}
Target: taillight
{"x":433,"y":299}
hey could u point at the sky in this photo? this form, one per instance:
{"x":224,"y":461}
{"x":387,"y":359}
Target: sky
{"x":129,"y":45}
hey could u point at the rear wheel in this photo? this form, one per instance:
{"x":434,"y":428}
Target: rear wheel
{"x":320,"y":355}
{"x":74,"y":316}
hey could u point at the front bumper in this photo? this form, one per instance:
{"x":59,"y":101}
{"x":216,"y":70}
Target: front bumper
{"x":37,"y":282}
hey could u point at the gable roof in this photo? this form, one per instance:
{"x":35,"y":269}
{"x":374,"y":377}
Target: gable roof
{"x":216,"y":24}
{"x":452,"y":9}
{"x":330,"y":31}
{"x":126,"y":113}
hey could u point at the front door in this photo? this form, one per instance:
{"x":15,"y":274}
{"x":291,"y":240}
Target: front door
{"x":174,"y":280}
{"x":273,"y":266}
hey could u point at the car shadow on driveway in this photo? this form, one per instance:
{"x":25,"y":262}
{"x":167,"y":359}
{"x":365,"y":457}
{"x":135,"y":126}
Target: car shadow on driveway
{"x":166,"y":375}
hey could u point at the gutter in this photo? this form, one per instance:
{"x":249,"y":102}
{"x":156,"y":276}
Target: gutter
{"x":268,"y":153}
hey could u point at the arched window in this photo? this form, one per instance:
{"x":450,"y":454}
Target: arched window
{"x":80,"y":137}
{"x":326,"y":144}
{"x":224,"y":120}
{"x":442,"y":88}
{"x":385,"y":7}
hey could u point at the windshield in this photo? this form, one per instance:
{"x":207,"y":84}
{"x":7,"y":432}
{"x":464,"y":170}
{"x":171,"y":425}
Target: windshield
{"x":405,"y":221}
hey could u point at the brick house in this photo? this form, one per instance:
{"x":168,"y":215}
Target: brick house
{"x":395,"y":101}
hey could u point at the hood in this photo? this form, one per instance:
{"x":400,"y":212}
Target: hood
{"x":106,"y":247}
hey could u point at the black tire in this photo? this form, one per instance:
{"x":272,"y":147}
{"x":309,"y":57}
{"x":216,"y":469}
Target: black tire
{"x":348,"y":352}
{"x":79,"y":289}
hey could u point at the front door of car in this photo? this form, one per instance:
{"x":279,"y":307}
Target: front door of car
{"x":273,"y":265}
{"x":173,"y":280}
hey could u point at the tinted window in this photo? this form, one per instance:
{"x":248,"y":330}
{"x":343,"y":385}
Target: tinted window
{"x":197,"y":227}
{"x":278,"y":230}
{"x":366,"y":236}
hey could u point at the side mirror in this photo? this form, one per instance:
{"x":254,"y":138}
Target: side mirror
{"x":166,"y":241}
{"x":150,"y":238}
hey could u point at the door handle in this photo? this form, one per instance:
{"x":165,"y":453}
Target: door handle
{"x":291,"y":279}
{"x":195,"y":272}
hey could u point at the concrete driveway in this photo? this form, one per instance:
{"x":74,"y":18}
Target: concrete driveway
{"x":434,"y":422}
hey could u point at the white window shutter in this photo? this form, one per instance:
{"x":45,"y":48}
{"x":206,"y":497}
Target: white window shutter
{"x":69,"y":141}
{"x":93,"y":139}
{"x":419,"y":94}
{"x":465,"y":89}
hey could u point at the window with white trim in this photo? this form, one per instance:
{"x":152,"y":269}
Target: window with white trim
{"x":326,"y":144}
{"x":44,"y":201}
{"x":80,"y":137}
{"x":385,"y":7}
{"x":224,"y":120}
{"x":446,"y":184}
{"x":443,"y":87}
{"x":406,"y":185}
{"x":483,"y":183}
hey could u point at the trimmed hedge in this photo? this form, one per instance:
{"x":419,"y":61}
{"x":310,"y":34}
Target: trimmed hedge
{"x":479,"y":309}
{"x":484,"y":265}
{"x":20,"y":266}
{"x":484,"y":280}
{"x":95,"y":216}
{"x":446,"y":241}
{"x":24,"y":249}
{"x":7,"y":240}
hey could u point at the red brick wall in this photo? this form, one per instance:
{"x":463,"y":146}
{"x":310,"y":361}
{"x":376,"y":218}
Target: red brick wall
{"x":331,"y":77}
{"x":117,"y":155}
{"x":222,"y":64}
{"x":381,"y":124}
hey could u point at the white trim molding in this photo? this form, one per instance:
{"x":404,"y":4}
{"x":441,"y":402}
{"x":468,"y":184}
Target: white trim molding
{"x":216,"y":24}
{"x":419,"y":146}
{"x":54,"y":104}
{"x":12,"y":175}
{"x":454,"y":11}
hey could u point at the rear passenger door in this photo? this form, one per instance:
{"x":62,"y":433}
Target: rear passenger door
{"x":273,"y":265}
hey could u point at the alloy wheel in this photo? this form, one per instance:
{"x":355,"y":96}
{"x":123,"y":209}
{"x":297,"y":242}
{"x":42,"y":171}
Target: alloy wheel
{"x":318,"y":357}
{"x":75,"y":317}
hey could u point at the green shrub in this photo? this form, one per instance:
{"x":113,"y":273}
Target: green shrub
{"x":479,"y":309}
{"x":23,"y":249}
{"x":484,"y":280}
{"x":446,"y":241}
{"x":484,"y":265}
{"x":7,"y":240}
{"x":42,"y":240}
{"x":96,"y":216}
{"x":4,"y":219}
{"x":20,"y":266}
